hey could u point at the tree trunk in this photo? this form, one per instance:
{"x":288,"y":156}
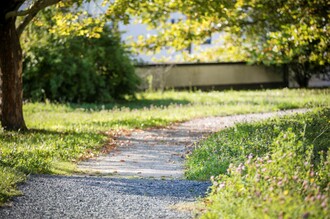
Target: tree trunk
{"x":11,"y":77}
{"x":301,"y":74}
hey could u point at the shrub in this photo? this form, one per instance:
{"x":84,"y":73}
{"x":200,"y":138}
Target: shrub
{"x":78,"y":69}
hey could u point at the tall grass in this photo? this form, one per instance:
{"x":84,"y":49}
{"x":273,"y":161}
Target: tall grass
{"x":68,"y":132}
{"x":273,"y":169}
{"x":233,"y":145}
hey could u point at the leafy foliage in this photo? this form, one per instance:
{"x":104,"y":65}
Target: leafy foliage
{"x":15,"y":17}
{"x":294,"y":32}
{"x":76,"y":68}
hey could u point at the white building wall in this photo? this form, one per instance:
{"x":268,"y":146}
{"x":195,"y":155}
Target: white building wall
{"x":209,"y":75}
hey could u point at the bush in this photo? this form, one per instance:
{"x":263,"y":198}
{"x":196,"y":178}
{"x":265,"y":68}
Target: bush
{"x":78,"y":69}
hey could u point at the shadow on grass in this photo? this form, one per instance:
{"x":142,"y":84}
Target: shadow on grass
{"x":34,"y":135}
{"x":131,"y":104}
{"x":131,"y":123}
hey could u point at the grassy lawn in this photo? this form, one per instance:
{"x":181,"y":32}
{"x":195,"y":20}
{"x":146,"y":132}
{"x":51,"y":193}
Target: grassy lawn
{"x":61,"y":134}
{"x":279,"y":168}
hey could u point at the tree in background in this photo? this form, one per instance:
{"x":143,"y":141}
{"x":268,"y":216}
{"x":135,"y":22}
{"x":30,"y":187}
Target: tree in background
{"x":15,"y":16}
{"x":73,"y":68}
{"x":294,"y":32}
{"x":11,"y":29}
{"x":277,"y":32}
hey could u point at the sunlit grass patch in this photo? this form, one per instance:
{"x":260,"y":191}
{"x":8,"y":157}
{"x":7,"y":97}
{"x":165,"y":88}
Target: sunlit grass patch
{"x":276,"y":168}
{"x":161,"y":109}
{"x":233,"y":145}
{"x":34,"y":151}
{"x":8,"y":183}
{"x":62,"y":133}
{"x":64,"y":168}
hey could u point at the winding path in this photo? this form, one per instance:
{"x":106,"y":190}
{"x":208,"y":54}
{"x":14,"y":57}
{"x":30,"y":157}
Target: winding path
{"x":128,"y":185}
{"x":159,"y":152}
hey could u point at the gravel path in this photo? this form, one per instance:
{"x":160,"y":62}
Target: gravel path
{"x":132,"y":190}
{"x":95,"y":197}
{"x":159,"y":153}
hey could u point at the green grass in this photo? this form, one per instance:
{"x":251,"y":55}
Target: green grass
{"x":275,"y":168}
{"x":159,"y":109}
{"x":61,"y":134}
{"x":233,"y":145}
{"x":9,"y":180}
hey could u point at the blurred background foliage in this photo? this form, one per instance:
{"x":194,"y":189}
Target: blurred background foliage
{"x":75,"y":57}
{"x":67,"y":67}
{"x":282,"y":32}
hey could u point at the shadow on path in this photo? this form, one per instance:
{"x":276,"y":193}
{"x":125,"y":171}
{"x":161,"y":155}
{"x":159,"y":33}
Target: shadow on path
{"x":96,"y":197}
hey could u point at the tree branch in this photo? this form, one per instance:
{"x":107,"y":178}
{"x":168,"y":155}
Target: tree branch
{"x":30,"y":13}
{"x":25,"y":22}
{"x":34,"y":9}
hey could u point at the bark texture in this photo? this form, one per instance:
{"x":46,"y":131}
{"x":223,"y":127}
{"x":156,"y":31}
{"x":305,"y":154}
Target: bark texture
{"x":11,"y":77}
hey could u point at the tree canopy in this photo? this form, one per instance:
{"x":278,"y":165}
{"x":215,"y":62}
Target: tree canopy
{"x":273,"y":31}
{"x":294,"y":32}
